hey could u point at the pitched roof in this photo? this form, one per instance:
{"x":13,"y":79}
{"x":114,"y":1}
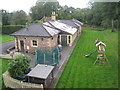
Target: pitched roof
{"x":50,"y":25}
{"x":100,"y":43}
{"x":50,"y":28}
{"x":37,"y":30}
{"x":69,"y":22}
{"x":63,"y":27}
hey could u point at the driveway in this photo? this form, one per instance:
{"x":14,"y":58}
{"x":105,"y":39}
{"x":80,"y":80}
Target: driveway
{"x":5,"y":46}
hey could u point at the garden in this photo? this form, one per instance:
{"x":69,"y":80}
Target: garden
{"x":18,"y":68}
{"x":80,"y":71}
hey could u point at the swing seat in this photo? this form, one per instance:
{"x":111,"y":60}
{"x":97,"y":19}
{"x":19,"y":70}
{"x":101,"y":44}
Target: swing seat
{"x":101,"y":58}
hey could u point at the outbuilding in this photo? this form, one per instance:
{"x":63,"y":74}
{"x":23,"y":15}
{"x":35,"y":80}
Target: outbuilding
{"x":41,"y":74}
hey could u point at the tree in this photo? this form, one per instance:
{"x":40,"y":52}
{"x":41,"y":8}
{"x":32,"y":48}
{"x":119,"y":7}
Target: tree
{"x":103,"y":14}
{"x":19,"y":18}
{"x":49,"y":7}
{"x":19,"y":65}
{"x":5,"y":17}
{"x":37,"y":11}
{"x":42,"y":9}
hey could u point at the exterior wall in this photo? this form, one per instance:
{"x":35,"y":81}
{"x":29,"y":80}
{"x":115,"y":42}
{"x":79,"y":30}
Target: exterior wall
{"x":53,"y":41}
{"x":48,"y":80}
{"x":15,"y":41}
{"x":80,"y":29}
{"x":28,"y":42}
{"x":72,"y":38}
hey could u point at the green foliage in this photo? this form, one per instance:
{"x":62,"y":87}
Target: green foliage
{"x":19,"y":65}
{"x":102,"y":14}
{"x":19,"y":18}
{"x":99,"y":14}
{"x":37,"y":11}
{"x":42,"y":9}
{"x":15,"y":18}
{"x":38,"y":21}
{"x":4,"y":64}
{"x":5,"y":17}
{"x":9,"y":29}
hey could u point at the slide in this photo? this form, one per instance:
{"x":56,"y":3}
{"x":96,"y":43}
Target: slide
{"x":91,"y":53}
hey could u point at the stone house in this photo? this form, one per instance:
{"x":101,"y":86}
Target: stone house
{"x":49,"y":33}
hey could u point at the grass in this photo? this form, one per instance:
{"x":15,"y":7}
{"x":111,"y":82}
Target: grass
{"x":80,"y":72}
{"x":4,"y":64}
{"x":5,"y":38}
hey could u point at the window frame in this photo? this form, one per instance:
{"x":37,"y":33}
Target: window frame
{"x":69,"y":39}
{"x":33,"y":45}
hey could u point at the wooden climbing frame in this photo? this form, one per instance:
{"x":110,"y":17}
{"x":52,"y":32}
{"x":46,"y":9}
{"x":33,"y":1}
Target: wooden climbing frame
{"x":101,"y":58}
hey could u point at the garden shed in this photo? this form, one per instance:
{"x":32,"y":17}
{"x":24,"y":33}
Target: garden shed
{"x":41,"y":74}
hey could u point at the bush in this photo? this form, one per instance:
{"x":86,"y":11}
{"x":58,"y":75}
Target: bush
{"x":19,"y":66}
{"x":9,"y":29}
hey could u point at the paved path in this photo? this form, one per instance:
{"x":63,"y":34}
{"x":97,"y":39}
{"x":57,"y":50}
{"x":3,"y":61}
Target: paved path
{"x":5,"y":46}
{"x":66,"y":52}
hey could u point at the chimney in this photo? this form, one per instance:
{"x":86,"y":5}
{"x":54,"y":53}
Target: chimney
{"x":53,"y":16}
{"x":26,"y":27}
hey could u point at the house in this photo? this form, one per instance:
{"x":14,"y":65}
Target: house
{"x":45,"y":34}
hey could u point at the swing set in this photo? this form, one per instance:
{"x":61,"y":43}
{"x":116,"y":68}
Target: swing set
{"x":101,"y":57}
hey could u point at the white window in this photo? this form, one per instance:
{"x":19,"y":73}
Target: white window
{"x":34,"y":43}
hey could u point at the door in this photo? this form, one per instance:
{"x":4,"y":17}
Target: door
{"x":64,"y":40}
{"x":58,"y":40}
{"x":21,"y":45}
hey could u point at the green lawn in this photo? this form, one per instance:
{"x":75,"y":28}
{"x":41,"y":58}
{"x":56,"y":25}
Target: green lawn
{"x":5,"y":38}
{"x":4,"y":64}
{"x":80,"y":72}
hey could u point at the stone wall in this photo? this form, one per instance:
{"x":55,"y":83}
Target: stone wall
{"x":16,"y":84}
{"x":41,"y":42}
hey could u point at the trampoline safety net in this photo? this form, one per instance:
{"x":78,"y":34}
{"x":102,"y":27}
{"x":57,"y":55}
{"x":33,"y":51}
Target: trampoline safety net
{"x":47,"y":56}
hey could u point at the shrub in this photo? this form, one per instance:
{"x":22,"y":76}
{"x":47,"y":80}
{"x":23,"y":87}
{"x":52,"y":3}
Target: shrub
{"x":19,"y":65}
{"x":9,"y":29}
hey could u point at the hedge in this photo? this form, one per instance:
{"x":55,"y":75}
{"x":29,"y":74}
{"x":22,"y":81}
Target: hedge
{"x":9,"y":29}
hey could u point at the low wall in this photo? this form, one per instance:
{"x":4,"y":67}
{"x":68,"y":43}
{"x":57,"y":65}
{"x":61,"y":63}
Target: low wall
{"x":16,"y":84}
